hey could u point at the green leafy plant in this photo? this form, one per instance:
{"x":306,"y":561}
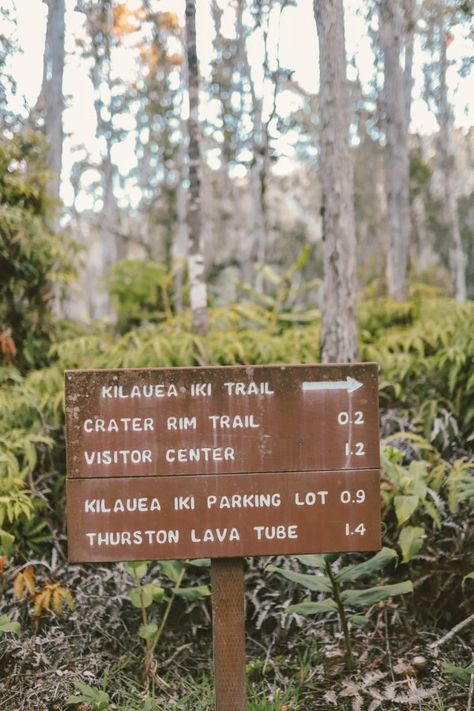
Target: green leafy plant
{"x":427,"y":367}
{"x":469,"y":576}
{"x":97,"y":699}
{"x":29,"y":416}
{"x":18,"y":459}
{"x":144,"y":595}
{"x":15,"y":503}
{"x":417,"y":489}
{"x":461,"y":675}
{"x":465,"y":486}
{"x":337,"y":598}
{"x":407,"y":491}
{"x":283,"y":295}
{"x":7,"y":625}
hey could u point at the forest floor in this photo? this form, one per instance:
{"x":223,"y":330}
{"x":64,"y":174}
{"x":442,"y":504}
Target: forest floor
{"x":401,"y":660}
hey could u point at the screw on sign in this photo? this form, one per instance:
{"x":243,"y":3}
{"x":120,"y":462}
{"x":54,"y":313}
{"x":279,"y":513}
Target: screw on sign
{"x":222,"y":463}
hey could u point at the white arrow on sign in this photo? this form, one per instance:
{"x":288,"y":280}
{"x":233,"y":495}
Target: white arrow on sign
{"x":349,"y":384}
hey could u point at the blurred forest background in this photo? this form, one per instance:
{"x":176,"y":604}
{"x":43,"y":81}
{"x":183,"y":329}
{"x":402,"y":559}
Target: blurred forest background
{"x":98,"y":202}
{"x":119,"y":158}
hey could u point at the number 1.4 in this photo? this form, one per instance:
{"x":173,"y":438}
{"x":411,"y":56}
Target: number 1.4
{"x":359,"y":530}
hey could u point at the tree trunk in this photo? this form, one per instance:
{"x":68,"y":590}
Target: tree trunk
{"x":197,"y":281}
{"x":339,"y":328}
{"x":457,"y":257}
{"x":258,"y":169}
{"x":258,"y":182}
{"x":180,"y":244}
{"x":108,"y":219}
{"x":411,"y":10}
{"x":425,"y":256}
{"x":392,"y":35}
{"x":100,"y":21}
{"x":51,"y":100}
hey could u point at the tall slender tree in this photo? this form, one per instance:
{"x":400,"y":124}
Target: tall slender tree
{"x":339,"y":330}
{"x":180,"y":243}
{"x":262,"y":116}
{"x":396,"y":19}
{"x":259,"y":138}
{"x":196,"y":267}
{"x":445,"y":119}
{"x":440,"y":17}
{"x":155,"y":98}
{"x":104,"y":24}
{"x":100,"y":23}
{"x":412,"y":12}
{"x":50,"y":102}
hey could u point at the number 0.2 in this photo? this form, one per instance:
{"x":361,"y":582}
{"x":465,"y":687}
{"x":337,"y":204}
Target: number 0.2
{"x":344,"y":418}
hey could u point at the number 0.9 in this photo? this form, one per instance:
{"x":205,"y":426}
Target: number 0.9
{"x":347,"y":497}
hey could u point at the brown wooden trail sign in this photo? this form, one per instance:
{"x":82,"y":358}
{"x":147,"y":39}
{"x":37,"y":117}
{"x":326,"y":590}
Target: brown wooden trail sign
{"x":222,"y":462}
{"x":221,"y":516}
{"x":225,"y":420}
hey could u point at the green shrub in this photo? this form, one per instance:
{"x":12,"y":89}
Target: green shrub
{"x":421,"y":493}
{"x":140,"y":290}
{"x":427,"y":370}
{"x":32,"y":257}
{"x":378,"y":315}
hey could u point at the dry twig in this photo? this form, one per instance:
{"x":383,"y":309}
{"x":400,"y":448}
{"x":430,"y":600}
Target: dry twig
{"x":454,"y":631}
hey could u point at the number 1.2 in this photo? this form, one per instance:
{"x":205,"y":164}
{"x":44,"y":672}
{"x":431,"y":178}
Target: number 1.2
{"x":358,"y":450}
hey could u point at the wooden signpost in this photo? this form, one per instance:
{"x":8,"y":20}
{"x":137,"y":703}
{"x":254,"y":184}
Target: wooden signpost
{"x":223,"y":462}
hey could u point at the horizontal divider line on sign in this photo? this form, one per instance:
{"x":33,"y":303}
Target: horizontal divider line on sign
{"x":219,"y":474}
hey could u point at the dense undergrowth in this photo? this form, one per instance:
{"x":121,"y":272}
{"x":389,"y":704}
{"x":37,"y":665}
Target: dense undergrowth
{"x":425,"y":349}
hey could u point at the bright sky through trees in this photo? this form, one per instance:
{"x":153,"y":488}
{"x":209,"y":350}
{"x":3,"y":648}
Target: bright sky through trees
{"x":298,"y":52}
